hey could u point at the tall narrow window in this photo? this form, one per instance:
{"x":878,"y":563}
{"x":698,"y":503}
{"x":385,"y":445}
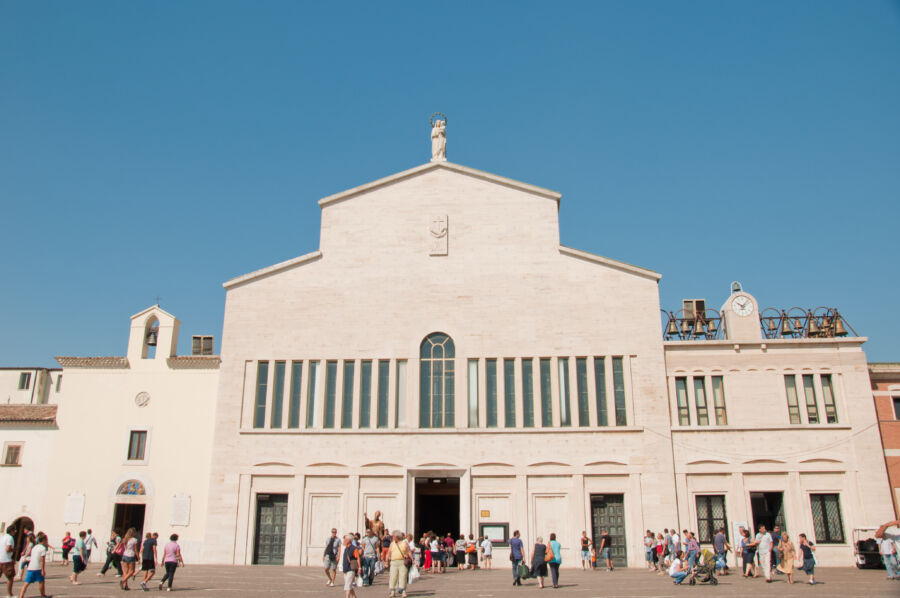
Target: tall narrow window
{"x":718,"y":390}
{"x":827,"y":522}
{"x":436,"y":390}
{"x":137,"y":444}
{"x":565,"y":418}
{"x":277,"y":396}
{"x":365,"y":394}
{"x":546,"y":394}
{"x":684,"y":413}
{"x":600,"y":383}
{"x":347,"y":402}
{"x":330,"y":392}
{"x":262,"y":389}
{"x":710,"y":517}
{"x":400,"y":395}
{"x":490,"y":379}
{"x":619,"y":390}
{"x":473,"y":393}
{"x":790,"y":387}
{"x":24,"y":380}
{"x":58,"y":382}
{"x":700,"y":400}
{"x":384,"y":373}
{"x":311,"y":393}
{"x":828,"y":398}
{"x":296,"y":386}
{"x":812,"y":409}
{"x":896,"y":401}
{"x":509,"y":393}
{"x":584,"y":416}
{"x":527,"y":392}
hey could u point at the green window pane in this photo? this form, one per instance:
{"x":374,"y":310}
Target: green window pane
{"x":812,"y":411}
{"x":828,"y":398}
{"x":619,"y":390}
{"x":546,"y":394}
{"x":473,"y":393}
{"x":311,"y":395}
{"x":384,"y":372}
{"x":330,"y":392}
{"x":436,"y":382}
{"x":718,"y":389}
{"x":490,"y":378}
{"x":296,"y":386}
{"x":790,"y":387}
{"x":700,"y":399}
{"x":509,"y":392}
{"x":600,"y":383}
{"x":684,"y":414}
{"x":262,"y":384}
{"x":278,"y":395}
{"x":365,"y":393}
{"x":584,"y":417}
{"x":527,"y":392}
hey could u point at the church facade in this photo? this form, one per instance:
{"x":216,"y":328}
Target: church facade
{"x":442,"y":358}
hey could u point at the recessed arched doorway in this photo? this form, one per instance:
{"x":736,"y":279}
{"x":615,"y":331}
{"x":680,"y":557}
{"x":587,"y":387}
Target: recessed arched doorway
{"x":130,"y":507}
{"x":24,"y":526}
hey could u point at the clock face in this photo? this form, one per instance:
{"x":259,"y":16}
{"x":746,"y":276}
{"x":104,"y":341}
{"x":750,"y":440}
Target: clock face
{"x":742,"y":305}
{"x":142,"y":399}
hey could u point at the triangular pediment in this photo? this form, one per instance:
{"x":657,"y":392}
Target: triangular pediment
{"x":431,"y":166}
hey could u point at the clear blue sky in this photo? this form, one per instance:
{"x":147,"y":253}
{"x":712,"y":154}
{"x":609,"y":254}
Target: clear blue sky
{"x":161,"y":148}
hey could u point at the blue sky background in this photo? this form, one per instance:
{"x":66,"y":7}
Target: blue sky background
{"x":161,"y":148}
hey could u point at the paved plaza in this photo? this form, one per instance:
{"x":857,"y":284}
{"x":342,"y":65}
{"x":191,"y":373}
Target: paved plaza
{"x":248,"y":582}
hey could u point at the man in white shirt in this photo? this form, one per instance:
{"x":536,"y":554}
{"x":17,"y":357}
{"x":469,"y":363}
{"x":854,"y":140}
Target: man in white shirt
{"x":487,"y":548}
{"x":764,"y":551}
{"x":7,"y":567}
{"x":888,"y":541}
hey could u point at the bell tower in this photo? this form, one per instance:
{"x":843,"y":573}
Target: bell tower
{"x":741,"y":315}
{"x":153,"y":336}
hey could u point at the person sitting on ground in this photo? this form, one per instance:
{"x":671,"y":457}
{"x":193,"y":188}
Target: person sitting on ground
{"x":677,"y":571}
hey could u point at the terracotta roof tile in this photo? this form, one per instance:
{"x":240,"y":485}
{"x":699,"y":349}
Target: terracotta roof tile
{"x":28,"y":414}
{"x":105,"y":363}
{"x":194,"y":362}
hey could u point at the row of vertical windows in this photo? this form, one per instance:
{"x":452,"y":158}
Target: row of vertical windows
{"x":707,"y":408}
{"x":807,"y":384}
{"x":537,"y":401}
{"x":321,"y":403}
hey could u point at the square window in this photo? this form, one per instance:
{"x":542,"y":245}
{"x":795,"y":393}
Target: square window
{"x":137,"y":445}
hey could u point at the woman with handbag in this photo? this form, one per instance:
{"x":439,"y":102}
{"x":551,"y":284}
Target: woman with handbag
{"x":401,"y":561}
{"x":786,"y":547}
{"x":555,"y":561}
{"x":539,"y":557}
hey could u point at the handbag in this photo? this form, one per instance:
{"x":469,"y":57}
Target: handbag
{"x":120,"y":549}
{"x":549,"y":556}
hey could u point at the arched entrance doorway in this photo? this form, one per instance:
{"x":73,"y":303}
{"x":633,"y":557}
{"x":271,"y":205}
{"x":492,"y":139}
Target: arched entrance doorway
{"x":130,"y":507}
{"x":24,"y":526}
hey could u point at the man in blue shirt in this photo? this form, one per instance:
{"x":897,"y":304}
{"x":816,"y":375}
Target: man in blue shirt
{"x":516,"y":555}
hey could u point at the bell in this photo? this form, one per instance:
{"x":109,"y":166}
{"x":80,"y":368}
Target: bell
{"x":839,"y":329}
{"x":711,"y":327}
{"x":672,"y":328}
{"x":786,"y":327}
{"x":151,"y":338}
{"x":798,"y":323}
{"x":685,"y":327}
{"x":813,"y":327}
{"x":698,"y":327}
{"x":771,"y":325}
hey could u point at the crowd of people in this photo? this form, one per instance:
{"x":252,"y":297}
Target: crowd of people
{"x":122,"y":553}
{"x":768,"y":552}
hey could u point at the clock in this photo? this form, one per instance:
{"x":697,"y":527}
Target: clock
{"x":142,"y":399}
{"x":742,"y":305}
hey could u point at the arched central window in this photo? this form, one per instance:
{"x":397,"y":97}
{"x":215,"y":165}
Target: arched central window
{"x":436,"y":390}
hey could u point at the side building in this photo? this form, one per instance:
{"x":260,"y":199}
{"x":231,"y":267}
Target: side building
{"x":885,"y":379}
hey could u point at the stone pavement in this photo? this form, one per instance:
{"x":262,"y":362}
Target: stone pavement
{"x":251,"y":582}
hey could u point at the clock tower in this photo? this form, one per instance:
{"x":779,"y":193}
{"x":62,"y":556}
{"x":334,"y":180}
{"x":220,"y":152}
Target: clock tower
{"x":741,"y":315}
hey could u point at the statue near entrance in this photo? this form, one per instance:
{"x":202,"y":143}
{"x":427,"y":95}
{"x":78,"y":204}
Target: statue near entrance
{"x":376,"y":525}
{"x":438,"y":137}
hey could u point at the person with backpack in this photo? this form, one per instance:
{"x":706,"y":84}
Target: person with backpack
{"x":350,"y":564}
{"x":68,"y":543}
{"x":37,"y":568}
{"x":330,"y":556}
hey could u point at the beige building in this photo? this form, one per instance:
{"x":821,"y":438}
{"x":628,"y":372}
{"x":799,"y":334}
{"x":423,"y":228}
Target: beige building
{"x":444,"y":359}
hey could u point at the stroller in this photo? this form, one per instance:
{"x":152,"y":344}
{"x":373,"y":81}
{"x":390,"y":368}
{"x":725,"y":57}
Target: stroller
{"x":705,"y":573}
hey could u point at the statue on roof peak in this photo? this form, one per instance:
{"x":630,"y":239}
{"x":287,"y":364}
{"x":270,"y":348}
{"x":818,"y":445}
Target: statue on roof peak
{"x":438,"y":137}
